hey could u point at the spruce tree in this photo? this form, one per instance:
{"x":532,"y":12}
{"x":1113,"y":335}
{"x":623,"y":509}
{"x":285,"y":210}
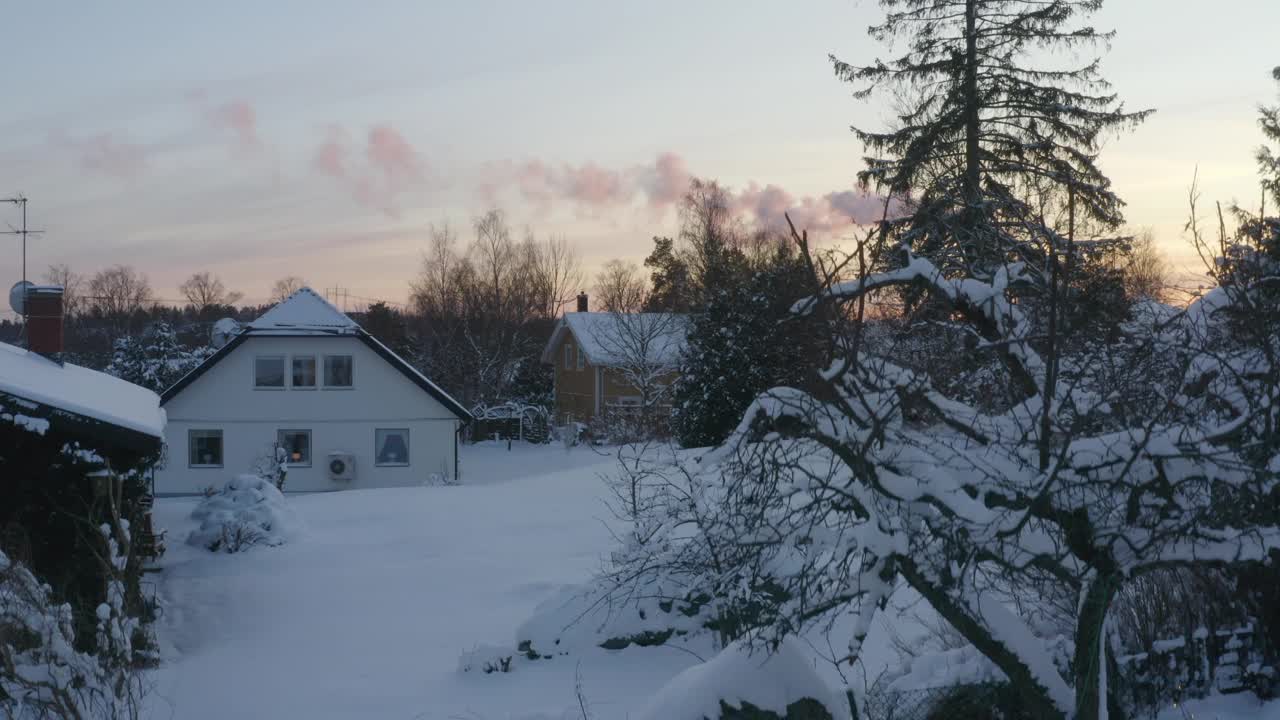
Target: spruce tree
{"x":992,"y":139}
{"x":155,"y":360}
{"x":743,"y":343}
{"x":1269,"y":159}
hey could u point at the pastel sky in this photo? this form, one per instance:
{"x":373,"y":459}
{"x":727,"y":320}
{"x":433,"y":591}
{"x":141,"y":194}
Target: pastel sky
{"x":263,"y":139}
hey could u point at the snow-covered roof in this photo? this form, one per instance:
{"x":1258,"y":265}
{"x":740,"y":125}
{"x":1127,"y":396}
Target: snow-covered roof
{"x":304,"y":312}
{"x":613,"y":339}
{"x":81,"y":391}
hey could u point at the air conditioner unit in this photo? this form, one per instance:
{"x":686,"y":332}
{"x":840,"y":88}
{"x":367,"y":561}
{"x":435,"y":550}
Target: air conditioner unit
{"x":342,"y":466}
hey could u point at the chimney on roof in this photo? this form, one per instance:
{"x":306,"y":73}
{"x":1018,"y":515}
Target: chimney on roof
{"x":44,"y":319}
{"x":582,"y":302}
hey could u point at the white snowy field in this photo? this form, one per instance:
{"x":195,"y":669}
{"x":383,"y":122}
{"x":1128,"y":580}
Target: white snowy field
{"x":367,"y":613}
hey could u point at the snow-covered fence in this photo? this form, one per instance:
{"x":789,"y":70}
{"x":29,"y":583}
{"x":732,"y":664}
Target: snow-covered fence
{"x":1226,"y":661}
{"x":510,"y":421}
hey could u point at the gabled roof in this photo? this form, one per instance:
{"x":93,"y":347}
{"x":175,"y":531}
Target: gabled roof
{"x":79,"y":391}
{"x":306,"y":314}
{"x":608,"y":338}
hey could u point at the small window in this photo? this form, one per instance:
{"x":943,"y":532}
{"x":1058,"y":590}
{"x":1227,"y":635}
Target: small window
{"x":268,"y":371}
{"x":204,"y":448}
{"x":304,"y":371}
{"x":337,"y":371}
{"x":582,"y":359}
{"x":391,"y":446}
{"x":297,"y":446}
{"x":568,"y":356}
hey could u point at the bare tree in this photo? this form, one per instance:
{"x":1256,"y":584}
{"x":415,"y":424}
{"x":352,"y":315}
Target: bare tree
{"x":557,"y":272}
{"x":205,"y":290}
{"x":119,"y":292}
{"x":478,"y":311}
{"x":71,"y":284}
{"x":621,"y":287}
{"x":1146,"y":271}
{"x":285,"y":287}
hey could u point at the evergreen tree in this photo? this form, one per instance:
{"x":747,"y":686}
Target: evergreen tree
{"x":746,"y":341}
{"x":156,"y":359}
{"x":669,"y":277}
{"x":991,"y":143}
{"x":1268,"y":159}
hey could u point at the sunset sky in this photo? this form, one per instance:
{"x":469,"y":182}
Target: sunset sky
{"x":258,"y":140}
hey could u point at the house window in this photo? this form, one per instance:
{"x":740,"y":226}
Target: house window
{"x":304,"y":371}
{"x":391,"y":446}
{"x":204,"y":448}
{"x":582,"y":358}
{"x":568,"y":356}
{"x":297,"y":446}
{"x":268,"y":371}
{"x":337,"y":371}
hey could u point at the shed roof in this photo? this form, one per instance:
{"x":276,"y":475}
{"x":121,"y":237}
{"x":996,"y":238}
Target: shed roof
{"x":79,"y":391}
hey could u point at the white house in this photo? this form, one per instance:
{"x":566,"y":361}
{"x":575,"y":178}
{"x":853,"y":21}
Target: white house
{"x":346,"y":410}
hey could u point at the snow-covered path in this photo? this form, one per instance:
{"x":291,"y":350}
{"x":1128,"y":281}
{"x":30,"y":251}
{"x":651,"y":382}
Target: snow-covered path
{"x":367,"y":614}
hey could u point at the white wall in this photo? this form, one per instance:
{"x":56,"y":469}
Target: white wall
{"x":224,"y":398}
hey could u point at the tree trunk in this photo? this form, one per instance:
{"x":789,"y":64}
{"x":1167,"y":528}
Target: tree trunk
{"x":1090,"y":650}
{"x":972,"y":163}
{"x":1037,"y":699}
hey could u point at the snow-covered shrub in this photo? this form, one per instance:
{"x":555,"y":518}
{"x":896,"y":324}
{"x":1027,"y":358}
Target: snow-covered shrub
{"x":487,"y":659}
{"x":248,"y":511}
{"x":42,"y":675}
{"x":738,"y":684}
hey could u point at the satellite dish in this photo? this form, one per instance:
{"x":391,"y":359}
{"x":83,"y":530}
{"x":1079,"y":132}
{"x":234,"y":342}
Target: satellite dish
{"x":18,"y":296}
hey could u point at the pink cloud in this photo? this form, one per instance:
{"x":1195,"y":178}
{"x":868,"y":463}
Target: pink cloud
{"x":667,"y":181}
{"x":330,"y":157}
{"x":591,"y":187}
{"x":392,"y":156}
{"x":105,"y":152}
{"x":390,"y":166}
{"x":239,"y":117}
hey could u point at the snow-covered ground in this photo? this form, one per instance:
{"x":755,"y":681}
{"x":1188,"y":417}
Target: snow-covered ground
{"x":367,"y":613}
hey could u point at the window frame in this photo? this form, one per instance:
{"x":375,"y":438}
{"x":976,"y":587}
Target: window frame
{"x":351,"y":360}
{"x":293,"y":372}
{"x":284,"y":374}
{"x":311,"y":448}
{"x":408,"y":447}
{"x":568,"y":356}
{"x":222,"y":448}
{"x":582,"y":359}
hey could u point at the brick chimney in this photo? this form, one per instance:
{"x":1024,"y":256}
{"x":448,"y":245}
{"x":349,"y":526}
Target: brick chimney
{"x":582,"y":302}
{"x":44,"y":320}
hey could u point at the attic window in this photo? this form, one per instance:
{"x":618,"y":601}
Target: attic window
{"x":582,"y":359}
{"x":568,"y":356}
{"x":337,"y":371}
{"x":268,"y":371}
{"x":304,"y":371}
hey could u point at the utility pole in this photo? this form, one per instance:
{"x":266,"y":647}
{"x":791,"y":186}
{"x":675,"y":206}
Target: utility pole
{"x":21,"y":202}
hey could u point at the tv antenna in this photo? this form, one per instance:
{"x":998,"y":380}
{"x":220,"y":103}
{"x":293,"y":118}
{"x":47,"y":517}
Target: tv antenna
{"x":21,"y":201}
